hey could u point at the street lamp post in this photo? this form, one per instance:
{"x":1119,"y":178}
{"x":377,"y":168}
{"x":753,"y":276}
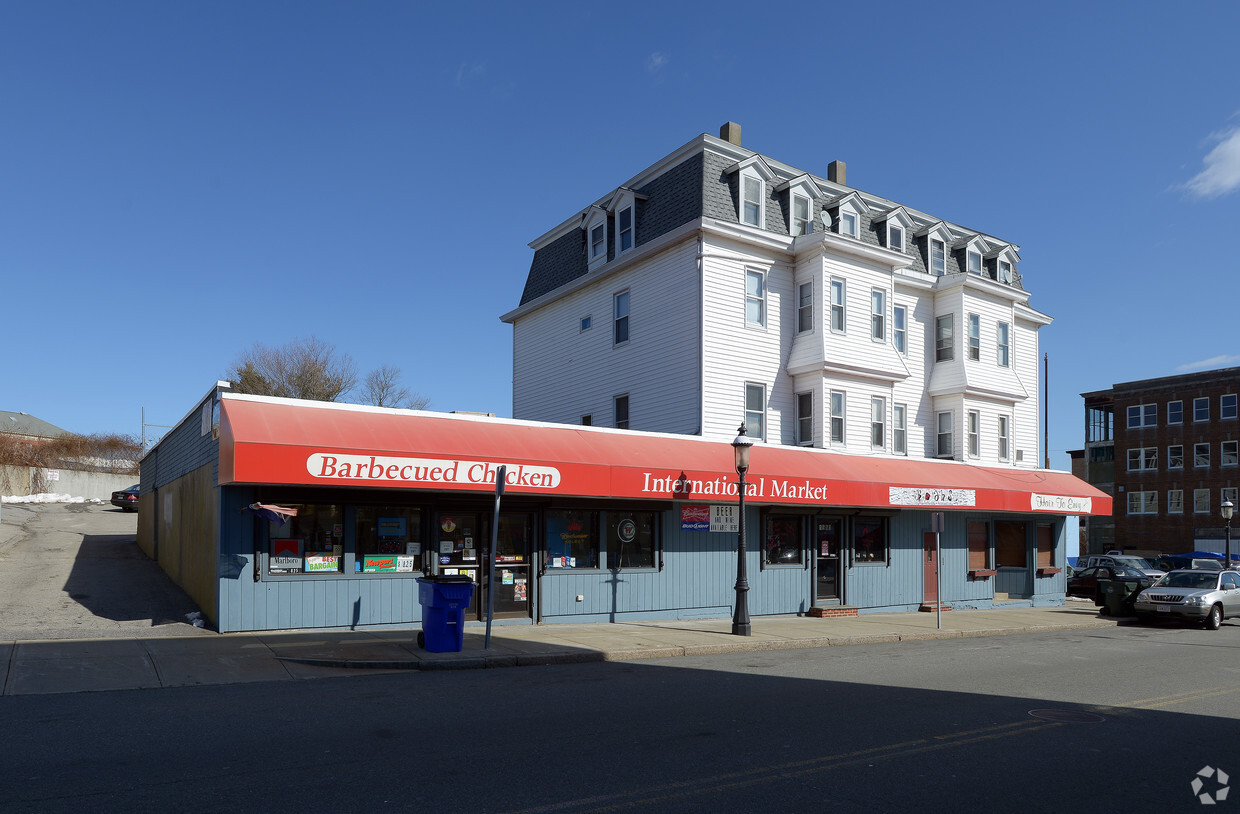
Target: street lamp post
{"x":1227,"y":510}
{"x":740,"y":618}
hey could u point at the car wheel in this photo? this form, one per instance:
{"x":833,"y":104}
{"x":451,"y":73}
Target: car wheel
{"x":1215,"y":618}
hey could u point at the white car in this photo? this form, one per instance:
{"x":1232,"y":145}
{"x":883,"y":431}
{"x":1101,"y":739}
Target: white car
{"x":1208,"y":597}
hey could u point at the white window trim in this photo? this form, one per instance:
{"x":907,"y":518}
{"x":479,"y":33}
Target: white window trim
{"x":1143,"y":502}
{"x":850,"y":204}
{"x":628,"y":317}
{"x":1175,"y":501}
{"x":1003,"y":350}
{"x":1235,"y":454}
{"x":950,"y":347}
{"x":1235,"y":407}
{"x":831,"y":418}
{"x":598,"y":217}
{"x":974,"y":353}
{"x":973,"y":434}
{"x":842,"y":306}
{"x":1171,"y":464}
{"x":763,"y":416}
{"x":1198,"y":508}
{"x":1005,"y":438}
{"x":938,"y":434}
{"x":1170,"y":421}
{"x":896,"y":330}
{"x":899,"y":429}
{"x":802,"y":440}
{"x":1206,"y":401}
{"x":897,"y":219}
{"x":806,"y":308}
{"x":878,"y":405}
{"x":632,"y":230}
{"x":878,"y":317}
{"x":1208,"y":462}
{"x":761,"y":299}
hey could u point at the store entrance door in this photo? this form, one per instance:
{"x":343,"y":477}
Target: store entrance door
{"x":462,"y":547}
{"x":827,"y":536}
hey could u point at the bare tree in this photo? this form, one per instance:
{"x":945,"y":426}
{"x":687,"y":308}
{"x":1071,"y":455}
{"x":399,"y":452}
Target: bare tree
{"x":302,"y":369}
{"x":383,"y":389}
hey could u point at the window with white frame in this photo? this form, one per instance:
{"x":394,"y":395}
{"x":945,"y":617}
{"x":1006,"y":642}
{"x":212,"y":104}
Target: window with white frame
{"x":1201,"y":409}
{"x":624,"y":230}
{"x":1004,"y":333}
{"x":837,"y":306}
{"x":753,"y":195}
{"x":899,"y":329}
{"x":1175,"y":456}
{"x":944,"y":443}
{"x":1175,"y":501}
{"x":1227,"y":406}
{"x":620,"y":411}
{"x":944,"y":342}
{"x":975,"y":338}
{"x":1230,"y":453}
{"x":755,"y":298}
{"x":755,"y":410}
{"x":847,"y":223}
{"x":805,"y":419}
{"x":620,"y":318}
{"x":805,"y":307}
{"x":598,"y":241}
{"x":801,"y":209}
{"x":974,"y":433}
{"x":878,"y":422}
{"x":1143,"y":502}
{"x":1228,"y":493}
{"x":1201,"y":456}
{"x":938,"y":257}
{"x":878,"y":315}
{"x":1005,"y":272}
{"x":895,"y":236}
{"x":1175,"y":412}
{"x":975,"y":263}
{"x":1142,"y":415}
{"x":836,"y":403}
{"x":1141,"y":458}
{"x":899,"y":429}
{"x":1201,"y":501}
{"x":1005,"y":438}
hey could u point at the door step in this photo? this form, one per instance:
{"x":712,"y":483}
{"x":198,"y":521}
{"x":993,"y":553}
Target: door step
{"x":831,"y":611}
{"x":929,"y":607}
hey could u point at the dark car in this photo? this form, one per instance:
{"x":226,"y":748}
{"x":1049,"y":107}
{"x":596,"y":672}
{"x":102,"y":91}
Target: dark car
{"x":1086,"y":582}
{"x":127,"y":499}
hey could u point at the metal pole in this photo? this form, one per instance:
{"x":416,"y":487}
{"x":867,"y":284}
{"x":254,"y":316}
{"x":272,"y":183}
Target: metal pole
{"x":1227,"y":562}
{"x":740,"y":619}
{"x":938,"y":583}
{"x":500,"y":475}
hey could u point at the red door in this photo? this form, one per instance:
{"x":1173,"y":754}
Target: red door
{"x":930,"y":571}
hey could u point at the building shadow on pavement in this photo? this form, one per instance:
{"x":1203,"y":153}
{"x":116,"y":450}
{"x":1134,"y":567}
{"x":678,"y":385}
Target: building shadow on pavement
{"x":113,"y":579}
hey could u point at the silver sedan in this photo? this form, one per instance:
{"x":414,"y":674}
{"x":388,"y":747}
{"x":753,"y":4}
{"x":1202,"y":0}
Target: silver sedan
{"x":1208,"y":597}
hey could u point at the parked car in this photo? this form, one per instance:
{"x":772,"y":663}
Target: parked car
{"x":1174,"y":563}
{"x":127,"y":499}
{"x":1124,"y":560}
{"x":1086,"y":581}
{"x":1207,"y":597}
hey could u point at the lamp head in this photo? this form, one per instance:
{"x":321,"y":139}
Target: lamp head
{"x":740,"y":450}
{"x":1227,"y":509}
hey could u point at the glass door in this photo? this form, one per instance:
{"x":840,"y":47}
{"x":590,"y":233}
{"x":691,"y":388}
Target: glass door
{"x":828,"y":532}
{"x":459,"y":539}
{"x":511,"y":582}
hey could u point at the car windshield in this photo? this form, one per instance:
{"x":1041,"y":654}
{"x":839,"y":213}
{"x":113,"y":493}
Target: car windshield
{"x":1182,"y":579}
{"x":1131,"y":562}
{"x":1128,"y":573}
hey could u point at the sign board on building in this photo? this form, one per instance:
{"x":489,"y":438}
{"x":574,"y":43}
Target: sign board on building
{"x":724,"y":518}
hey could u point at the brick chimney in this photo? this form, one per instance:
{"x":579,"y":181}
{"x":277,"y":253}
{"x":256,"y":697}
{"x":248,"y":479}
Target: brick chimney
{"x":837,"y":172}
{"x":731,"y":132}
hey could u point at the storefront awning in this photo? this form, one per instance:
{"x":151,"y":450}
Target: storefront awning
{"x":284,"y":441}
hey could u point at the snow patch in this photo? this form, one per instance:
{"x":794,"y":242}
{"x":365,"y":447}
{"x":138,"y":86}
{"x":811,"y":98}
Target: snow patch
{"x":47,"y":497}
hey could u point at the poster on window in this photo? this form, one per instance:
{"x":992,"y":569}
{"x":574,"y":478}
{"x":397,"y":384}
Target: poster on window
{"x":694,"y":518}
{"x":378,"y":563}
{"x":317,"y":561}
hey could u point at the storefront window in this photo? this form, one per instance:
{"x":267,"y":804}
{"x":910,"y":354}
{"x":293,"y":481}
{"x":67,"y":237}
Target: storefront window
{"x":869,"y":540}
{"x":572,"y":539}
{"x":388,"y":539}
{"x":630,"y":539}
{"x":781,"y":540}
{"x":1010,"y":548}
{"x":310,"y":543}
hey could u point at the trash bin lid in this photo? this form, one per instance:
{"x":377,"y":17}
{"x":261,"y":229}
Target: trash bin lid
{"x":447,"y":579}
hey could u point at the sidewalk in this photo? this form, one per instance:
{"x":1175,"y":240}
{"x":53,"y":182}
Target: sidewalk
{"x":29,"y":667}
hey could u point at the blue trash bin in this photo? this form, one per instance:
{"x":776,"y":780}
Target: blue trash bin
{"x":444,"y":601}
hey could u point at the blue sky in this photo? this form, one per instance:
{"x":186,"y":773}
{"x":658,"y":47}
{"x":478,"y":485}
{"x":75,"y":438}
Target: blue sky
{"x":181,"y":180}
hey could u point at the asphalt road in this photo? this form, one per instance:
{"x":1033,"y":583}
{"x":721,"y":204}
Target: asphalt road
{"x":74,"y":570}
{"x":1114,"y":720}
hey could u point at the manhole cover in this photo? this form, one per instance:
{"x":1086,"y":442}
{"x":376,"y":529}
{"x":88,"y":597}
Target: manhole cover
{"x":1068,"y":716}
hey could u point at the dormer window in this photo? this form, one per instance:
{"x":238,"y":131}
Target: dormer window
{"x":896,"y":224}
{"x":938,"y":257}
{"x":1005,"y":272}
{"x":598,"y":241}
{"x":624,"y":230}
{"x":848,"y":224}
{"x":751,"y":205}
{"x":800,"y":215}
{"x":895,"y":237}
{"x":1005,"y":259}
{"x":975,"y":263}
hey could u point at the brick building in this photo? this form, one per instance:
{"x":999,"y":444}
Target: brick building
{"x":1168,"y":449}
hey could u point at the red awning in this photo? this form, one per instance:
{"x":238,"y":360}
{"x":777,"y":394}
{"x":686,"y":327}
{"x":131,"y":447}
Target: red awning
{"x":284,"y":441}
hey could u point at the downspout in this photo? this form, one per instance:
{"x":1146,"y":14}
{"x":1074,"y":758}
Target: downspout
{"x":701,"y":327}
